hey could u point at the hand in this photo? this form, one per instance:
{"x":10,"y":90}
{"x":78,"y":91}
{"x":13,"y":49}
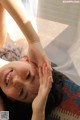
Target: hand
{"x":45,"y":76}
{"x":37,"y":55}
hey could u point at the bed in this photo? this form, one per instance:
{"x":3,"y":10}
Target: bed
{"x":69,"y":109}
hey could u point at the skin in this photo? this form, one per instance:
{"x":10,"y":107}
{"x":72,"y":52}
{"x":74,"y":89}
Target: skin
{"x":39,"y":102}
{"x":3,"y":33}
{"x":22,"y":81}
{"x":42,"y":82}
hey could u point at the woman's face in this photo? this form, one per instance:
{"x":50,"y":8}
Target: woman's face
{"x":19,"y":80}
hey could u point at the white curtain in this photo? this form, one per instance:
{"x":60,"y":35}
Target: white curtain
{"x":58,"y":26}
{"x":30,"y":9}
{"x":64,"y":49}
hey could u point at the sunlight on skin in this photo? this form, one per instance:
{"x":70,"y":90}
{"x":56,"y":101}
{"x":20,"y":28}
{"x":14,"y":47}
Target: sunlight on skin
{"x":47,"y":30}
{"x":13,"y":29}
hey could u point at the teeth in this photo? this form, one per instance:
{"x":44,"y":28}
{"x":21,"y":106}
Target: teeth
{"x":8,"y":77}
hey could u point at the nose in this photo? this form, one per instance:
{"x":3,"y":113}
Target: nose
{"x":17,"y":83}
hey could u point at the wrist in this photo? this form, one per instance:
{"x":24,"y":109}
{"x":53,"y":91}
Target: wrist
{"x":39,"y":112}
{"x":38,"y":115}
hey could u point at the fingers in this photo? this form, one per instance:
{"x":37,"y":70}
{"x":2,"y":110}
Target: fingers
{"x":49,"y":83}
{"x":49,"y":79}
{"x":45,"y":72}
{"x":40,"y":75}
{"x":45,"y":75}
{"x":48,"y":63}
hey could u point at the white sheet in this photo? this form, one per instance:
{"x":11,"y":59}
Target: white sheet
{"x":3,"y":62}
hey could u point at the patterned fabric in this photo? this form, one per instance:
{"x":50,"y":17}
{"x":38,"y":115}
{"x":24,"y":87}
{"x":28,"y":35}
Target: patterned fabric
{"x":11,"y":51}
{"x":69,"y":109}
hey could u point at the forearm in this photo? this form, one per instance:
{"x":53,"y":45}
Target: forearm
{"x":13,"y":7}
{"x":3,"y":31}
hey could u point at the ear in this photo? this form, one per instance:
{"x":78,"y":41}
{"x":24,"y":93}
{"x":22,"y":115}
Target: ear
{"x":25,"y":58}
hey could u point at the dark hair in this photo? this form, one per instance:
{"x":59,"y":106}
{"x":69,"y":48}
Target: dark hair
{"x":23,"y":111}
{"x":56,"y":93}
{"x":17,"y":110}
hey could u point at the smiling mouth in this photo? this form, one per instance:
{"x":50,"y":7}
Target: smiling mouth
{"x":7,"y":76}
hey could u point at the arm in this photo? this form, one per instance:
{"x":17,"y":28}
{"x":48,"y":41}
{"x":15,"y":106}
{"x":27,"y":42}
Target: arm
{"x":3,"y":31}
{"x":35,"y":48}
{"x":13,"y":7}
{"x":39,"y":102}
{"x":38,"y":115}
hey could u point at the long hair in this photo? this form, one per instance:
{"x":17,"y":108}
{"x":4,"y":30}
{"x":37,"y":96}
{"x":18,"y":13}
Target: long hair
{"x":56,"y":94}
{"x":17,"y":110}
{"x":22,"y":111}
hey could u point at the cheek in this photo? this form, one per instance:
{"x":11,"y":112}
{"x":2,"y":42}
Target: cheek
{"x":10,"y":92}
{"x":32,"y":93}
{"x":1,"y":76}
{"x":34,"y":87}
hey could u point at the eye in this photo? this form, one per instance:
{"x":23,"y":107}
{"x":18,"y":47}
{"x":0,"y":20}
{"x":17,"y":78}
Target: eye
{"x":21,"y":92}
{"x":28,"y":75}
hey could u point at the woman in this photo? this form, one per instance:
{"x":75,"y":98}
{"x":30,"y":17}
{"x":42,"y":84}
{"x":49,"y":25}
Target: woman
{"x":38,"y":105}
{"x":40,"y":101}
{"x":19,"y":78}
